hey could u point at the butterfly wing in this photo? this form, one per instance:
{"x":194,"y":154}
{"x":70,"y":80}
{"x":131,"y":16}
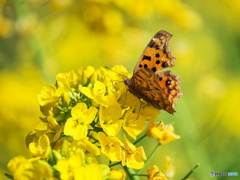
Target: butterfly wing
{"x":161,"y":90}
{"x":170,"y":83}
{"x":156,"y":55}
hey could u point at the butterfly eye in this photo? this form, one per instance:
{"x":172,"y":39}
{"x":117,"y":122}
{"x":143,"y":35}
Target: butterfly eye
{"x":168,"y":83}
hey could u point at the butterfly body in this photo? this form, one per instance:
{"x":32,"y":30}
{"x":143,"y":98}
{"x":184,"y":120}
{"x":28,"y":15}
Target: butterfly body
{"x":159,"y":89}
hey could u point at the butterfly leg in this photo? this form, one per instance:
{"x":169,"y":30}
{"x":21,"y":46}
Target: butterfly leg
{"x":140,"y":108}
{"x":125,"y":97}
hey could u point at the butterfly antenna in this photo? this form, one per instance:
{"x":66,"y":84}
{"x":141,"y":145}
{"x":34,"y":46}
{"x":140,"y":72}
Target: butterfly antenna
{"x":113,"y":80}
{"x":115,"y":71}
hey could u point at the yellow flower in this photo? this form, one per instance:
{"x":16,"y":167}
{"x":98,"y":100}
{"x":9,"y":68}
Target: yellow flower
{"x":78,"y":125}
{"x":155,"y":174}
{"x":49,"y":98}
{"x":98,"y":94}
{"x":29,"y":169}
{"x":133,"y":124}
{"x":150,"y":112}
{"x":164,"y":133}
{"x":168,"y":135}
{"x":90,"y":172}
{"x":87,"y":75}
{"x":110,"y":119}
{"x":116,"y":174}
{"x":48,"y":94}
{"x":111,"y":147}
{"x":41,"y":147}
{"x":72,"y":131}
{"x":67,"y":80}
{"x":155,"y":130}
{"x":114,"y":80}
{"x":54,"y":128}
{"x":133,"y":157}
{"x":85,"y":145}
{"x":79,"y":167}
{"x":129,"y":100}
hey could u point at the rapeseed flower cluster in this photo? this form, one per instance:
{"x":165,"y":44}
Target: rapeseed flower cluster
{"x":88,"y":116}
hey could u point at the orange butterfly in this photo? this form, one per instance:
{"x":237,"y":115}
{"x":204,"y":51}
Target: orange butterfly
{"x":159,"y":89}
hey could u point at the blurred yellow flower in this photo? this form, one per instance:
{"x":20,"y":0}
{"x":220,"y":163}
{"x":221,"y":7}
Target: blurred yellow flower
{"x":180,"y":13}
{"x":28,"y":25}
{"x":169,"y":167}
{"x":168,"y":135}
{"x":155,"y":174}
{"x":111,"y":147}
{"x":132,"y":156}
{"x":164,"y":133}
{"x":115,"y":16}
{"x":29,"y":169}
{"x":6,"y":27}
{"x":61,"y":5}
{"x":78,"y":125}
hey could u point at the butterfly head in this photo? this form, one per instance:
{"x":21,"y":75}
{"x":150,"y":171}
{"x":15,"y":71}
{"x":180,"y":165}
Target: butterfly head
{"x":127,"y":81}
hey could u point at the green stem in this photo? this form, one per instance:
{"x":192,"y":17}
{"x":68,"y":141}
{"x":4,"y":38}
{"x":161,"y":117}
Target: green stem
{"x":111,"y":165}
{"x":9,"y":176}
{"x":139,"y":175}
{"x":140,"y":139}
{"x":190,"y":172}
{"x":150,"y":156}
{"x":130,"y":173}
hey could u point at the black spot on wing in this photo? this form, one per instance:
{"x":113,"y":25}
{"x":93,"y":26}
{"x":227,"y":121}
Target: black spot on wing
{"x":154,"y":69}
{"x":164,"y":65}
{"x":147,"y":58}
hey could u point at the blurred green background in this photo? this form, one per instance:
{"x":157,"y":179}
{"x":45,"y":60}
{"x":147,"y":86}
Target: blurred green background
{"x":40,"y":38}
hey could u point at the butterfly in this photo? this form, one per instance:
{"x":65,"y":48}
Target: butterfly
{"x":159,"y":89}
